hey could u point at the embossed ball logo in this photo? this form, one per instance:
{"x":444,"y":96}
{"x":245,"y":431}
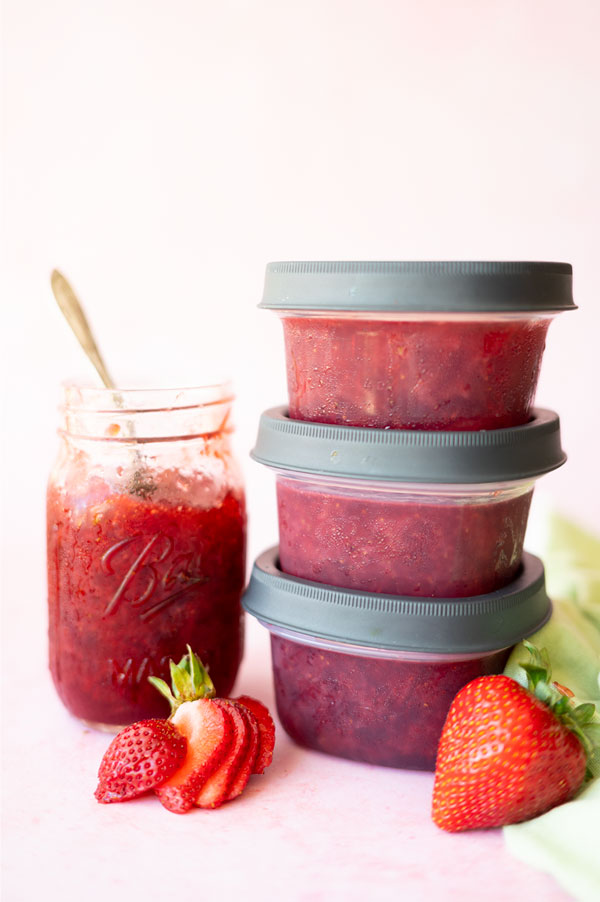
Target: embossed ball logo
{"x":149,"y":574}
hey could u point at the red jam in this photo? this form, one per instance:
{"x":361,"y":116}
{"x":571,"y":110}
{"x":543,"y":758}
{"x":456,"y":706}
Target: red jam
{"x":378,"y":710}
{"x":413,"y":374}
{"x":385,"y":543}
{"x":130,"y":581}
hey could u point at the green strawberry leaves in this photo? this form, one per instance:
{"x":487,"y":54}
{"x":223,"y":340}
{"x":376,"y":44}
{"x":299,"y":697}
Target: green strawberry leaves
{"x":584,"y":713}
{"x":579,"y":719}
{"x":189,"y":681}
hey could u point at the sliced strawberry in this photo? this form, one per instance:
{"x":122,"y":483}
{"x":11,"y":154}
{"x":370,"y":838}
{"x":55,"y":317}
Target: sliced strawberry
{"x":247,"y":764}
{"x":215,"y":790}
{"x":266,"y":728}
{"x":140,"y":758}
{"x":209,"y":733}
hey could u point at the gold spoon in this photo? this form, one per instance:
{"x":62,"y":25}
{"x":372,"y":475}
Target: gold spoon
{"x":140,"y":484}
{"x":72,"y":310}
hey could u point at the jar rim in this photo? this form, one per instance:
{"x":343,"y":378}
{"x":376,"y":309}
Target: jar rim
{"x":77,"y":396}
{"x":145,"y":414}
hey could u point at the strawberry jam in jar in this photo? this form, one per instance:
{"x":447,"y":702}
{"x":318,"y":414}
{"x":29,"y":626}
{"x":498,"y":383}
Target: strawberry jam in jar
{"x":146,"y":547}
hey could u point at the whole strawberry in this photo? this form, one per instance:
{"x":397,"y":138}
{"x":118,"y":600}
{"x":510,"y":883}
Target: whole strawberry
{"x":140,"y":758}
{"x":507,"y":754}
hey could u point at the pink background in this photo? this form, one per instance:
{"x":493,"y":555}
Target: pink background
{"x":160,"y":154}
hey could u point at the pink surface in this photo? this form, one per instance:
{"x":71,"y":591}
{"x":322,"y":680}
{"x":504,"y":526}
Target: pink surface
{"x":162,"y":182}
{"x":312,"y":828}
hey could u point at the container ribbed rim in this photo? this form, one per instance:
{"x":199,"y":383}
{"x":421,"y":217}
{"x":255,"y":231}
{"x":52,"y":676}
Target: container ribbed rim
{"x":410,"y":455}
{"x":436,"y":625}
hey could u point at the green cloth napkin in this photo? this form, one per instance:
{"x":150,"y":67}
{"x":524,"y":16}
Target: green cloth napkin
{"x":565,"y":842}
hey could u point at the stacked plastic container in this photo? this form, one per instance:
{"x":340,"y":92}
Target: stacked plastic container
{"x":405,"y":463}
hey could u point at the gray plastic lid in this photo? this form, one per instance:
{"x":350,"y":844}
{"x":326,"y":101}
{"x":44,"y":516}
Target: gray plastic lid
{"x":410,"y":455}
{"x":419,"y":286}
{"x":436,"y":625}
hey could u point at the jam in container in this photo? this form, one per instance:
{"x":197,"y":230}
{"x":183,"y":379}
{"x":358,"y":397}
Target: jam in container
{"x":146,"y":547}
{"x":415,"y":345}
{"x":371,"y":677}
{"x":404,"y":512}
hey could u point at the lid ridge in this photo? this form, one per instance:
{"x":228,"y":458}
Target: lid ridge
{"x":405,"y":455}
{"x":419,"y":286}
{"x":436,"y":625}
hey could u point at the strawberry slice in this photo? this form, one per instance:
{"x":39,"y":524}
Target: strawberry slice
{"x":247,"y":764}
{"x":209,"y":734}
{"x":215,"y":790}
{"x":266,"y":729}
{"x":140,"y":758}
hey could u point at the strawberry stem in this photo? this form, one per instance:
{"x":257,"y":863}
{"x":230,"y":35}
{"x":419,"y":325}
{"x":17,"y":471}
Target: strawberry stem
{"x":577,"y":718}
{"x":189,"y":681}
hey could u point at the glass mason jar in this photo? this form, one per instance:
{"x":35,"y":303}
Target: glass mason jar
{"x":146,"y":547}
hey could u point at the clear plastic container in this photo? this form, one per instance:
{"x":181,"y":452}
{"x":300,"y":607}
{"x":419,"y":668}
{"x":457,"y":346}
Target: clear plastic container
{"x":371,"y":677}
{"x":449,"y":345}
{"x":400,"y":538}
{"x":374,"y":705}
{"x":413,"y":371}
{"x":405,"y":512}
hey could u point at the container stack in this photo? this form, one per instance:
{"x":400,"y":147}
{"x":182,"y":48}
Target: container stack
{"x":405,"y":464}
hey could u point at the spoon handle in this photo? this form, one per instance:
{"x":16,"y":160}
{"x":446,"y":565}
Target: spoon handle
{"x":73,"y":312}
